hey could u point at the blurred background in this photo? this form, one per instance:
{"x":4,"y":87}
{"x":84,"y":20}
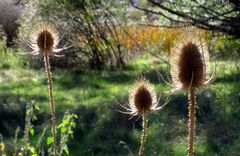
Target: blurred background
{"x":116,"y":42}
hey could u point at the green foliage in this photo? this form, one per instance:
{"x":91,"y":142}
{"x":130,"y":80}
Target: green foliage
{"x":9,"y":58}
{"x":49,"y":140}
{"x":101,"y":129}
{"x":2,"y":146}
{"x":28,"y":145}
{"x":96,"y":127}
{"x":225,"y":47}
{"x":29,"y":131}
{"x":89,"y":25}
{"x":66,"y":127}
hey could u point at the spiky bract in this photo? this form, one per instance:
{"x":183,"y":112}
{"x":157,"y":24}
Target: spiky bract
{"x":44,"y":38}
{"x":142,"y":96}
{"x":189,"y":61}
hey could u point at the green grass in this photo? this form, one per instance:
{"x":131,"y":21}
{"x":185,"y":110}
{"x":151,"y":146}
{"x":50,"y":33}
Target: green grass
{"x":73,"y":88}
{"x":94,"y":96}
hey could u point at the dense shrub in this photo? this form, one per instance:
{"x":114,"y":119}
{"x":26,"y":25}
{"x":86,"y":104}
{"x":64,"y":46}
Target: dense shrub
{"x":224,"y":46}
{"x":9,"y":57}
{"x":89,"y":25}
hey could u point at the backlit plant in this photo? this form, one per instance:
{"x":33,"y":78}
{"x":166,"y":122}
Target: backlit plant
{"x":142,"y":100}
{"x":189,"y":63}
{"x":44,"y":41}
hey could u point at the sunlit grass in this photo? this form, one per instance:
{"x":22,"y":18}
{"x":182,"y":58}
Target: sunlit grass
{"x":92,"y":87}
{"x":74,"y":88}
{"x":97,"y":91}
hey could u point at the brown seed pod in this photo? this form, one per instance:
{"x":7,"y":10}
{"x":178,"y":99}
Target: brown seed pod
{"x":143,"y":99}
{"x":45,"y":41}
{"x":142,"y":96}
{"x":44,"y":38}
{"x":190,"y":66}
{"x":189,"y":61}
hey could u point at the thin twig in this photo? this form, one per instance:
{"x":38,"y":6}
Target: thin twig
{"x":15,"y":141}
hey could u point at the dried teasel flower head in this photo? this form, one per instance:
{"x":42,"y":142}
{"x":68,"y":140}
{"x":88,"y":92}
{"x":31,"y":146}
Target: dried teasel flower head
{"x":44,"y":39}
{"x":142,"y":97}
{"x":189,"y":61}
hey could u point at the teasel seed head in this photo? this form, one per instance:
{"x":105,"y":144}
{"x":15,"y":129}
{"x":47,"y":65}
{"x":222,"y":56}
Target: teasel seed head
{"x":142,"y":97}
{"x":189,"y":61}
{"x":44,"y":39}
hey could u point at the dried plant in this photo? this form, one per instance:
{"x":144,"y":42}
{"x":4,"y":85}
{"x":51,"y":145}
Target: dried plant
{"x":142,"y":99}
{"x":189,"y":70}
{"x":15,"y":141}
{"x":44,"y":41}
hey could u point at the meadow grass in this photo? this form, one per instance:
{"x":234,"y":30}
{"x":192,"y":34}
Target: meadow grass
{"x":87,"y":87}
{"x":93,"y":95}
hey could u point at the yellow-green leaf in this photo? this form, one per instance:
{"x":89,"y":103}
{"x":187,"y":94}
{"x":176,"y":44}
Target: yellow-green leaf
{"x":32,"y":131}
{"x":2,"y":146}
{"x":49,"y":140}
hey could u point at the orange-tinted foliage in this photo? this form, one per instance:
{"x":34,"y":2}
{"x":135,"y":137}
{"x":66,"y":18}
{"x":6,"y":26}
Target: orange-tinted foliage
{"x":144,"y":37}
{"x":141,"y":37}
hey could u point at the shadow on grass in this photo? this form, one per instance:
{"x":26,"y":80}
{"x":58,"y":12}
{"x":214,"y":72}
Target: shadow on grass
{"x":72,"y":79}
{"x":12,"y":114}
{"x":100,"y":130}
{"x":222,"y":124}
{"x":96,"y":79}
{"x":226,"y":78}
{"x":100,"y":127}
{"x":217,"y":118}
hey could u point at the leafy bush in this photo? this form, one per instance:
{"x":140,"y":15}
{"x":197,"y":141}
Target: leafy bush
{"x":9,"y":57}
{"x":89,"y":25}
{"x":224,"y":46}
{"x":34,"y":144}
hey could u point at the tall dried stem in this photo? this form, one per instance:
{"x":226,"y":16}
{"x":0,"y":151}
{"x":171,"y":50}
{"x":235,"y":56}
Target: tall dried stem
{"x":191,"y":121}
{"x":51,"y":101}
{"x":144,"y":133}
